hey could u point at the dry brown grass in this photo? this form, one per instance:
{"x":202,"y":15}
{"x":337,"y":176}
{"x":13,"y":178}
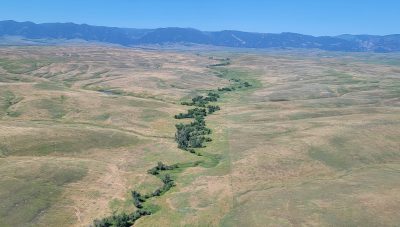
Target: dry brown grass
{"x":315,"y":143}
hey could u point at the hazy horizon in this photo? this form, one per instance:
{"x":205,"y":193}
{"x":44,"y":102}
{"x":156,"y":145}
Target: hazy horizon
{"x":304,"y":17}
{"x":198,"y":29}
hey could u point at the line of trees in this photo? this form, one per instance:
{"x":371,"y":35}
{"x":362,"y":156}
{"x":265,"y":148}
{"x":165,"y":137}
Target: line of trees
{"x":192,"y":135}
{"x":223,"y":62}
{"x":238,"y":84}
{"x":161,"y":167}
{"x":121,"y":220}
{"x":168,"y":184}
{"x":226,"y":89}
{"x":138,"y":199}
{"x":192,"y":113}
{"x":199,"y":101}
{"x":188,"y":137}
{"x":126,"y":220}
{"x":202,"y":101}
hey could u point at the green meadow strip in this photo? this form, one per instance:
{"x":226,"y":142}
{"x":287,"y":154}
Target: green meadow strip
{"x":189,"y":137}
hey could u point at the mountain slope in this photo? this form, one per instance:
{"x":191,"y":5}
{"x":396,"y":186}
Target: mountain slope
{"x":130,"y":36}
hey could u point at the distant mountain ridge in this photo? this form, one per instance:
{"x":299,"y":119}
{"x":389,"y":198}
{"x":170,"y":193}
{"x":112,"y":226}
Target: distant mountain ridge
{"x":227,"y":38}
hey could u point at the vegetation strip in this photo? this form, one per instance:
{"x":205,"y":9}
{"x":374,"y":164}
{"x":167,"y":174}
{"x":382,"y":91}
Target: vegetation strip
{"x":188,"y":137}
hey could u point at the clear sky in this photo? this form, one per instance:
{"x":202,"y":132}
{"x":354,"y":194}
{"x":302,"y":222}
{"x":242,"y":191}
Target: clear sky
{"x":314,"y":17}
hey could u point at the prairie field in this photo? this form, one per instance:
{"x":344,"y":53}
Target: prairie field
{"x":315,"y":141}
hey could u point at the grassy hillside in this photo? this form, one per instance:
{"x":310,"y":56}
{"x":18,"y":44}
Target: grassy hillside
{"x":314,"y":140}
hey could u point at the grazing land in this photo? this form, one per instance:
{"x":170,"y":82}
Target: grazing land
{"x":305,"y":138}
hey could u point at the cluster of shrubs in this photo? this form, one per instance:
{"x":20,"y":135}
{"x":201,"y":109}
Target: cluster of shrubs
{"x":121,"y":220}
{"x":192,"y":135}
{"x":223,"y":62}
{"x":202,"y":101}
{"x":192,"y":113}
{"x":226,"y":89}
{"x":161,"y":167}
{"x":232,"y":88}
{"x":246,"y":84}
{"x":239,"y":84}
{"x":188,"y":136}
{"x":212,"y":109}
{"x":214,"y":95}
{"x":138,"y":199}
{"x":168,"y":184}
{"x":198,"y":112}
{"x":126,"y":220}
{"x":219,"y":59}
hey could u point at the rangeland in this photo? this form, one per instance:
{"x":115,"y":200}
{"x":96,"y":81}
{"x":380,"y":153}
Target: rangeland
{"x":314,"y":141}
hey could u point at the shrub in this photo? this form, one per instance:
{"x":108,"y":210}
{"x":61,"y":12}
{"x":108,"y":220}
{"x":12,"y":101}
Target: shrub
{"x":191,"y":135}
{"x":161,"y":167}
{"x":225,"y":89}
{"x":192,"y":113}
{"x":212,"y":109}
{"x":137,"y":199}
{"x":121,"y":220}
{"x":246,"y":84}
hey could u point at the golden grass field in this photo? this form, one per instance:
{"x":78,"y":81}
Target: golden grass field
{"x":315,"y":141}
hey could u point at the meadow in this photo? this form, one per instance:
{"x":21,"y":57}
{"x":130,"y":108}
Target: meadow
{"x":314,"y":141}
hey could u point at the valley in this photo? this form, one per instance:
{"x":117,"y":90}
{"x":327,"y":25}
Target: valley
{"x":304,"y":138}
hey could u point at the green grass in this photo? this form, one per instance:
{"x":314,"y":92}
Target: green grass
{"x":99,"y":74}
{"x":7,"y":100}
{"x":28,"y":191}
{"x":102,"y":117}
{"x":314,"y":141}
{"x":335,"y":77}
{"x":315,"y":114}
{"x":55,"y":106}
{"x":339,"y":160}
{"x":326,"y":202}
{"x":21,"y":66}
{"x":67,"y":141}
{"x":150,"y":115}
{"x":348,"y":150}
{"x":239,"y":73}
{"x":51,"y":86}
{"x":12,"y":113}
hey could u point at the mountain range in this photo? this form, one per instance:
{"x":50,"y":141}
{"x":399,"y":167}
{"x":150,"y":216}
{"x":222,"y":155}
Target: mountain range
{"x":228,"y":38}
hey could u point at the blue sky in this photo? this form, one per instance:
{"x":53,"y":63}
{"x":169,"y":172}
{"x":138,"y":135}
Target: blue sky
{"x":314,"y":17}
